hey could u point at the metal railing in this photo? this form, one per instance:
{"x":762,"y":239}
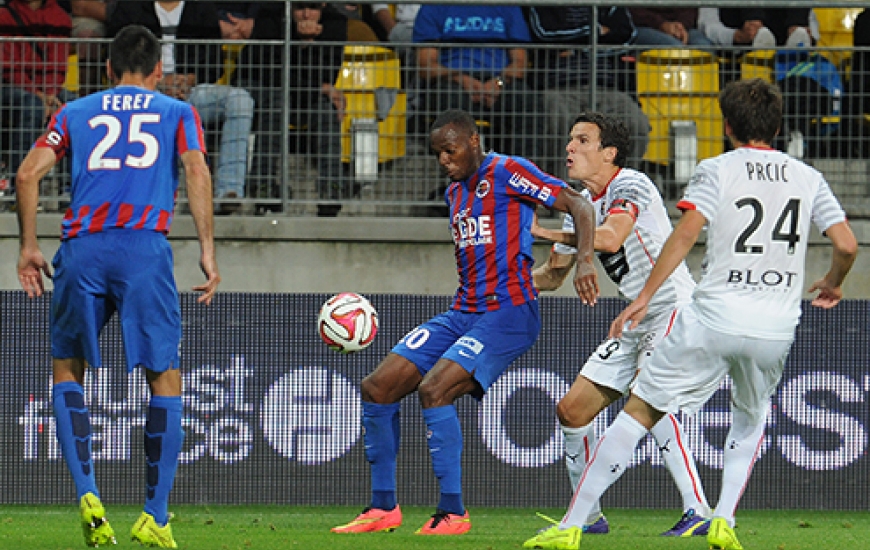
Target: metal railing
{"x":301,"y":156}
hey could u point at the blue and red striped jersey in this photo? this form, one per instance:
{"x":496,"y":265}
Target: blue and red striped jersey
{"x":124,"y":144}
{"x":491,"y":217}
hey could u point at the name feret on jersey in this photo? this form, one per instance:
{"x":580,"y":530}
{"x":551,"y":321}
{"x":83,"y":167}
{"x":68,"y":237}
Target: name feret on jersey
{"x":491,"y":217}
{"x":124,"y":155}
{"x":758,"y":203}
{"x":632,"y":193}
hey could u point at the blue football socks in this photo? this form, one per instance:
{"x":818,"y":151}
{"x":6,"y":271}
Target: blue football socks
{"x":445,"y":445}
{"x":381,"y":436}
{"x":163,"y":440}
{"x":73,"y":427}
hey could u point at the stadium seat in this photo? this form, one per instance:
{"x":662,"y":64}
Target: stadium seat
{"x":369,"y":75}
{"x":360,"y":31}
{"x":758,"y":64}
{"x":71,"y":81}
{"x":678,"y":85}
{"x":835,"y":33}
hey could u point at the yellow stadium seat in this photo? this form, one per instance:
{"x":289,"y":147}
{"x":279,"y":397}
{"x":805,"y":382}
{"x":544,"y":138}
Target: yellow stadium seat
{"x":364,"y":70}
{"x":369,"y":67}
{"x":71,"y":81}
{"x":360,"y":31}
{"x":758,"y":64}
{"x":391,"y":131}
{"x":835,"y":32}
{"x":680,"y":85}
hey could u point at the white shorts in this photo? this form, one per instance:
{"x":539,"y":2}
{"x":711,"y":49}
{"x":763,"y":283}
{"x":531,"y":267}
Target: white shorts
{"x":689,"y":365}
{"x":617,"y":361}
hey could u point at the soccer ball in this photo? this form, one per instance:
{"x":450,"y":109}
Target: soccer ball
{"x":347,"y":322}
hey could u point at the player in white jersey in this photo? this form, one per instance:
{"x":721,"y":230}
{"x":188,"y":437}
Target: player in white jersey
{"x":632,"y":225}
{"x":757,"y":204}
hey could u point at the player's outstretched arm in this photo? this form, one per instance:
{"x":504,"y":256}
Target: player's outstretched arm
{"x":612,"y":234}
{"x":609,"y":237}
{"x":552,"y":274}
{"x":845,"y":250}
{"x":585,"y":276}
{"x":199,"y":195}
{"x":31,"y":263}
{"x":553,"y":235}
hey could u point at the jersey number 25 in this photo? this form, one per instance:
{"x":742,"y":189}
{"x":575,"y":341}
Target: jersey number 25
{"x":135,"y":134}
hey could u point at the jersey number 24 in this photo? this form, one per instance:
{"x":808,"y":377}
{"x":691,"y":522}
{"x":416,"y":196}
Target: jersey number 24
{"x":788,"y":217}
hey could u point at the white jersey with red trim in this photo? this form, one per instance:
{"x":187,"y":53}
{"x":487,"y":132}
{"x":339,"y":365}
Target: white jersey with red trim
{"x":632,"y":193}
{"x":758,"y":203}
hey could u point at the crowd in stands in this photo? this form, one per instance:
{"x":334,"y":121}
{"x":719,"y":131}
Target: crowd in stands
{"x":525,"y":96}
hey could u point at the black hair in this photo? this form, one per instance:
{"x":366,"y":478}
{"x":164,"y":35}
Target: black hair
{"x":753,"y":109}
{"x":613,"y":133}
{"x":134,"y":50}
{"x":461,"y":119}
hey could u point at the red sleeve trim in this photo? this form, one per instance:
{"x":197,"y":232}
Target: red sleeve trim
{"x":686,"y":205}
{"x":622,"y":206}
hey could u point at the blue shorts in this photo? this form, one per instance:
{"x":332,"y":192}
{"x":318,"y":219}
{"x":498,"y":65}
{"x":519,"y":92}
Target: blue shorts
{"x":118,"y":270}
{"x":484,"y":344}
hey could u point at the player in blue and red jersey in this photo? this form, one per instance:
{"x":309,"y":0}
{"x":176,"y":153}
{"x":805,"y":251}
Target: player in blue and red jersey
{"x":114,"y":256}
{"x":494,"y":318}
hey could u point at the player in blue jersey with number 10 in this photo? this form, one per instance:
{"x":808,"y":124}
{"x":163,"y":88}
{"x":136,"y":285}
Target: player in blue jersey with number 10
{"x":494,"y":318}
{"x":125,"y":143}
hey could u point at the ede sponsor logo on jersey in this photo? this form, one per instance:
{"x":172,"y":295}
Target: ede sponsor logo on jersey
{"x":471,"y":230}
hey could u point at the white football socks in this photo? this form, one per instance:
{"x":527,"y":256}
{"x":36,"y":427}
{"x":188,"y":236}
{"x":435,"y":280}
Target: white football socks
{"x":579,"y":443}
{"x":609,"y":460}
{"x":741,"y":450}
{"x":671,"y":441}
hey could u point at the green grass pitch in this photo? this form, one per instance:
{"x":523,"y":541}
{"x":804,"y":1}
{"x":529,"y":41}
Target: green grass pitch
{"x":307,"y":528}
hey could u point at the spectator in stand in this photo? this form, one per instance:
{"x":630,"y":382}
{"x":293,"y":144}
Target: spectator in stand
{"x":239,"y":10}
{"x":399,"y":31}
{"x":89,"y":18}
{"x":668,"y":27}
{"x":33,"y":72}
{"x":189,"y":73}
{"x":351,"y":11}
{"x":399,"y":28}
{"x":313,"y":100}
{"x":563,"y":74}
{"x":856,"y":101}
{"x":363,"y":26}
{"x":760,"y":28}
{"x":735,"y":30}
{"x":481,"y":72}
{"x":240,"y":16}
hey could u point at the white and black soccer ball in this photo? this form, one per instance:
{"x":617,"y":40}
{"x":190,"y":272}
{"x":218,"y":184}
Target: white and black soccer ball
{"x":347,"y":322}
